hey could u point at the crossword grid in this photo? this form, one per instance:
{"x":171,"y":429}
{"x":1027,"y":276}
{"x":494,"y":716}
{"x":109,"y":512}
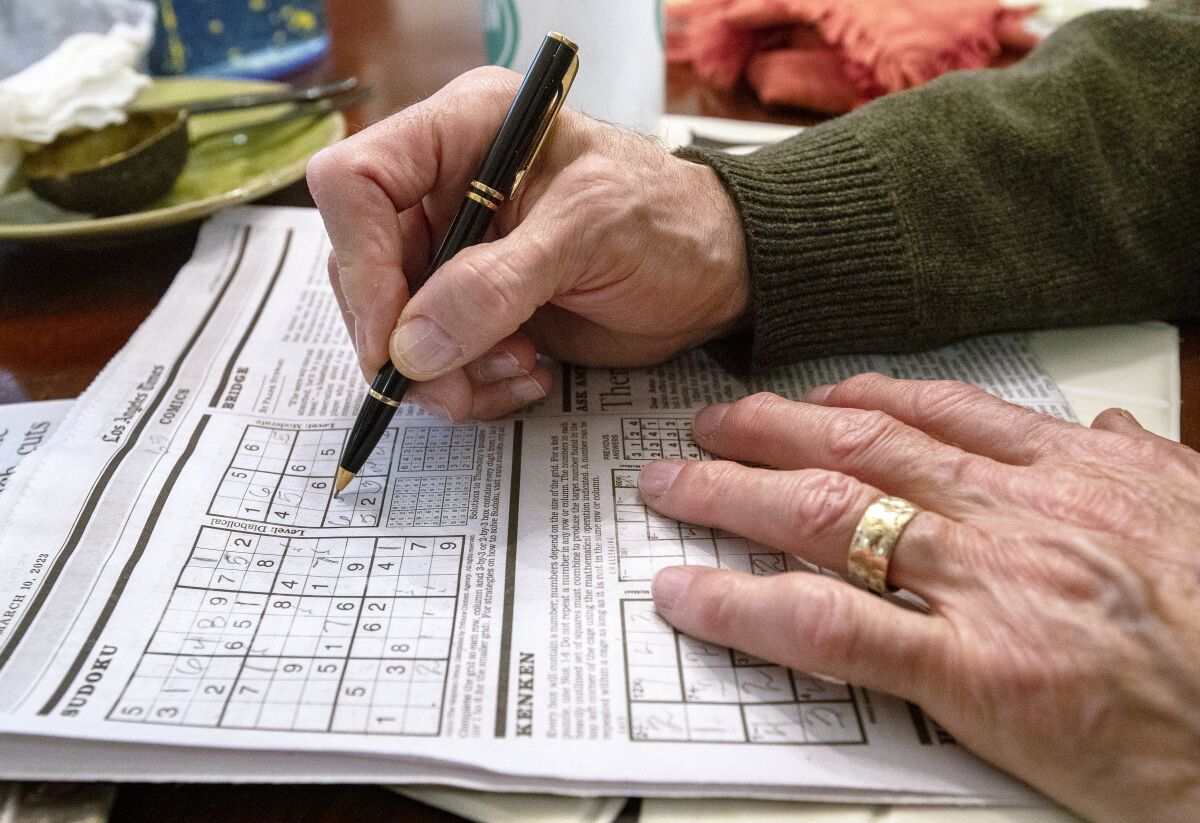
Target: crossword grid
{"x":682,"y":689}
{"x":647,"y":542}
{"x":438,"y":448}
{"x":285,"y":476}
{"x":328,"y":634}
{"x":651,"y":438}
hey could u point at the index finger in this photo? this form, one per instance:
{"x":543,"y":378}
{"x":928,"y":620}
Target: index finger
{"x":810,"y":623}
{"x":424,"y":156}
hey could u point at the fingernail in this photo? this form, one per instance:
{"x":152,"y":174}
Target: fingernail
{"x":423,"y":346}
{"x":709,"y":418}
{"x":817,"y":394}
{"x":498,"y":366}
{"x":655,"y":478}
{"x":669,"y":586}
{"x":525,"y":390}
{"x":430,"y":405}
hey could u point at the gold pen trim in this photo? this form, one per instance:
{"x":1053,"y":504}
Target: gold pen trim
{"x":562,"y":38}
{"x":551,"y":112}
{"x":480,"y":199}
{"x":488,"y":190}
{"x":383,"y":398}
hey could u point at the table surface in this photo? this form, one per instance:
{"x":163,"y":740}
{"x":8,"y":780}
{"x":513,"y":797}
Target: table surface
{"x":67,"y":309}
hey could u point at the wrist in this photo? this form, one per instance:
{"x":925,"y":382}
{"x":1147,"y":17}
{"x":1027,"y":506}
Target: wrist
{"x":822,"y":241}
{"x":721,"y":248}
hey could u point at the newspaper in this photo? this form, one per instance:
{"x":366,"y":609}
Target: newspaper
{"x":182,"y":596}
{"x":24,"y":428}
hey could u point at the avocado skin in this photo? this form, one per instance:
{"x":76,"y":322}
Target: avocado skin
{"x":115,"y":170}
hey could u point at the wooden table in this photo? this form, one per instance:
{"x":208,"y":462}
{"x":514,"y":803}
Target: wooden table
{"x":66,"y":310}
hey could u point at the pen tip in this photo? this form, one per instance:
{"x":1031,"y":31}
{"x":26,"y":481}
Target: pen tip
{"x":342,"y":480}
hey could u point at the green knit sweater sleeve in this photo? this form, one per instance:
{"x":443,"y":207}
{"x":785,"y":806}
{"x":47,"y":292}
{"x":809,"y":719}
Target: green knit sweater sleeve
{"x":1064,"y":190}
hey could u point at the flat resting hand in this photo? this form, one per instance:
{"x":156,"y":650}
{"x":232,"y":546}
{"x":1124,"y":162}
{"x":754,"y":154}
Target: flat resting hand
{"x":1060,"y":564}
{"x":612,"y":252}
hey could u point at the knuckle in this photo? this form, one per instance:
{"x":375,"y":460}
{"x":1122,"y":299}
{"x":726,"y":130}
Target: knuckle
{"x":323,"y":170}
{"x":1128,"y":448}
{"x":719,"y":609}
{"x":1097,"y":504}
{"x":966,"y":472}
{"x":851,"y":434}
{"x":331,"y":268}
{"x":487,"y":77}
{"x":706,"y":484}
{"x":494,"y":287}
{"x":752,"y":415}
{"x":937,"y":398}
{"x":819,"y":501}
{"x":824,"y":623}
{"x":859,"y":385}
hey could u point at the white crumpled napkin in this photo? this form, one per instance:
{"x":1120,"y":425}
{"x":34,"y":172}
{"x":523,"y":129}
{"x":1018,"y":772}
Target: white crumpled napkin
{"x":87,"y":81}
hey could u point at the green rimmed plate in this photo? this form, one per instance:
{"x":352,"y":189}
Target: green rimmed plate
{"x":234,"y":157}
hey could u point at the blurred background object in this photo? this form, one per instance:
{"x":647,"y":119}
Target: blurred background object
{"x":56,"y":802}
{"x":620,"y":51}
{"x":238,"y":38}
{"x":831,"y":56}
{"x":66,"y":64}
{"x":834,"y":55}
{"x":1050,"y":14}
{"x":31,"y":29}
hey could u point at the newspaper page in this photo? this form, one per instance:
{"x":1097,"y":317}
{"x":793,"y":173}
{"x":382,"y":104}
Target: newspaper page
{"x":182,"y":595}
{"x":24,"y":428}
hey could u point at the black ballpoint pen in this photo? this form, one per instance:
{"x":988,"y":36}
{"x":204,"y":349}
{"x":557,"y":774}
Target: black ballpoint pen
{"x":522,"y":133}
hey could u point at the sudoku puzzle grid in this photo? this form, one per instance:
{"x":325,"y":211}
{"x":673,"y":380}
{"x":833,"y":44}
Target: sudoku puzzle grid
{"x":285,"y":476}
{"x":651,"y":438}
{"x":647,"y":542}
{"x":345,"y":635}
{"x":684,"y":690}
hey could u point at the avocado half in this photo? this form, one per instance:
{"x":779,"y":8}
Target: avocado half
{"x":112,"y":170}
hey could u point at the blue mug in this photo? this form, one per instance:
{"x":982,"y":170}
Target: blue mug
{"x":238,"y":38}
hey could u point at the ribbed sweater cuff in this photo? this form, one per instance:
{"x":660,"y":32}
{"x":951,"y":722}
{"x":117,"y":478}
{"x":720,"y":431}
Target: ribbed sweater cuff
{"x":827,"y":266}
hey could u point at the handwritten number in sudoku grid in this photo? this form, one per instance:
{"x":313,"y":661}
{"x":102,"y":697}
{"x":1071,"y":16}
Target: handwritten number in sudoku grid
{"x":285,"y":477}
{"x":683,"y":689}
{"x":330,"y":634}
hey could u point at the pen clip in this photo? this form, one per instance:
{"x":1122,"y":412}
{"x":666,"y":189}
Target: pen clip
{"x":547,"y":119}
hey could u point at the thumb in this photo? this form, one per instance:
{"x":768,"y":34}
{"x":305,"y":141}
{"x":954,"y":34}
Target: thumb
{"x":476,"y":299}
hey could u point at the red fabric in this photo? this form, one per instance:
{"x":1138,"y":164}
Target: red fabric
{"x":833,"y":55}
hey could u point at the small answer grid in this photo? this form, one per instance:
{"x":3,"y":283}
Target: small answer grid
{"x":430,"y":501}
{"x":685,"y":690}
{"x":438,"y":448}
{"x":347,"y":635}
{"x":648,"y":542}
{"x":285,"y":476}
{"x":652,"y":438}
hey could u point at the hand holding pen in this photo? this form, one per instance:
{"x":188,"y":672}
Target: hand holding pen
{"x":612,"y":249}
{"x":525,"y":128}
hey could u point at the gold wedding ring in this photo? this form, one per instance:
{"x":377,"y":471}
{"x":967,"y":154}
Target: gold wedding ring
{"x":875,"y":538}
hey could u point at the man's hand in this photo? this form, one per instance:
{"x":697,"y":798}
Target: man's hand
{"x":613,"y":251}
{"x":1060,"y":565}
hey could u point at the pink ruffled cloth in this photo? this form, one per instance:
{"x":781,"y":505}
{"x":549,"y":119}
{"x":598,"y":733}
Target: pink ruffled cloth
{"x":834,"y":55}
